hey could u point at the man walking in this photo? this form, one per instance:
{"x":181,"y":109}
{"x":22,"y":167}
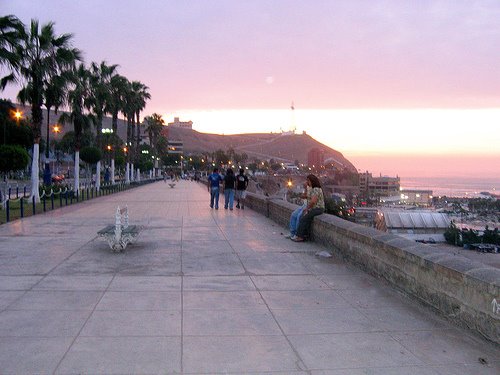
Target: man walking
{"x":213,"y":185}
{"x":241,"y":187}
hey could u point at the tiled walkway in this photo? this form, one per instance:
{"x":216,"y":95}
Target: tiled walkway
{"x":205,"y":292}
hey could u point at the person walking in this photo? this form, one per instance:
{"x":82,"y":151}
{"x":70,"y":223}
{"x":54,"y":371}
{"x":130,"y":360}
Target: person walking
{"x":213,"y":186}
{"x":229,"y":183}
{"x":315,"y":206}
{"x":241,"y":189}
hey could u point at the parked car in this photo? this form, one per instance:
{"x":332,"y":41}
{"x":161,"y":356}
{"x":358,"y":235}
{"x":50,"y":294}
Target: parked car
{"x":57,"y":178}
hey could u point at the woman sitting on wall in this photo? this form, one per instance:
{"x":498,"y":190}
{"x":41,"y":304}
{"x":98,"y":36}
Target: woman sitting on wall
{"x":315,"y":206}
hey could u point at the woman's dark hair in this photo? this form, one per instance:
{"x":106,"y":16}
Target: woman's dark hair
{"x":216,"y":170}
{"x":230,"y":171}
{"x":314,"y":181}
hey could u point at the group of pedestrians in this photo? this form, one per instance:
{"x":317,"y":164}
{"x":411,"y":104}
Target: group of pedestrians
{"x":234,"y":188}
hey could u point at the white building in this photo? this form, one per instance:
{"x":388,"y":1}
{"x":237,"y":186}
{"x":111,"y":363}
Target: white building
{"x":181,"y":124}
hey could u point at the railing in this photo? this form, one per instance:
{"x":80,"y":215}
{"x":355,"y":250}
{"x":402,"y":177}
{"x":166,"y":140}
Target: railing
{"x":17,"y":204}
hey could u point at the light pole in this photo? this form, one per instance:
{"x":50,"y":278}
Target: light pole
{"x":107,"y":132}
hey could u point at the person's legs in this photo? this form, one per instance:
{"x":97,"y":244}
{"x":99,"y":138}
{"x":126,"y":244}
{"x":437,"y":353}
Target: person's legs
{"x":231,"y":198}
{"x":212,"y":197}
{"x":294,"y":220}
{"x":226,"y":198}
{"x":237,"y":197}
{"x":216,"y":197}
{"x":306,"y":221}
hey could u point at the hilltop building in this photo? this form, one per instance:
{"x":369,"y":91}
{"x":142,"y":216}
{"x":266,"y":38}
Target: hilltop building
{"x":382,"y":186}
{"x":181,"y":124}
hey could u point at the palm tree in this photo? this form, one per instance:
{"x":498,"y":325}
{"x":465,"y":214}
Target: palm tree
{"x":10,"y":28}
{"x":42,"y":56}
{"x":100,"y":101}
{"x":155,"y":125}
{"x":78,"y":115}
{"x":119,"y":86}
{"x":141,"y":94}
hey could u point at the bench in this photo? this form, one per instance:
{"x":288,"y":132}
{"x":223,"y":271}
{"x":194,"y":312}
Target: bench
{"x":121,"y":233}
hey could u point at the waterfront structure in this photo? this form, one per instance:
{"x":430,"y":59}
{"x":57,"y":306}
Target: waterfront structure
{"x":415,"y":225}
{"x":181,"y":124}
{"x":416,"y":197}
{"x":382,"y":186}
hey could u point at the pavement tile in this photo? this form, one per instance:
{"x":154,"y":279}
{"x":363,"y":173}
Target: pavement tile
{"x":123,"y":355}
{"x":218,"y":283}
{"x":405,"y":317}
{"x":303,"y":299}
{"x":284,"y":282}
{"x":222,"y":300}
{"x":57,"y":300}
{"x":274,"y":264}
{"x":145,"y":283}
{"x":91,"y":283}
{"x":245,"y":322}
{"x":447,"y":347}
{"x":317,"y":321}
{"x":351,"y":281}
{"x":206,"y":265}
{"x":401,"y":370}
{"x":352,"y":350}
{"x":376,"y":296}
{"x":42,"y":323}
{"x":242,"y":354}
{"x":13,"y":283}
{"x":28,"y":355}
{"x":133,"y":323}
{"x":140,"y":301}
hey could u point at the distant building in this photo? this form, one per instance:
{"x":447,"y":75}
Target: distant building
{"x":175,"y":147}
{"x":181,"y":124}
{"x":382,"y":186}
{"x":415,"y":225}
{"x":416,"y":197}
{"x":315,"y":157}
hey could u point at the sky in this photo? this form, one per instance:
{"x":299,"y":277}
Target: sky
{"x":399,"y":87}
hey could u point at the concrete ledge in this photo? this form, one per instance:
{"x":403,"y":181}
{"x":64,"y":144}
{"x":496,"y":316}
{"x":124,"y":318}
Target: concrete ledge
{"x":462,"y":290}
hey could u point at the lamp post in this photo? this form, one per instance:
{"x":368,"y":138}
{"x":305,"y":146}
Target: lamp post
{"x":107,"y":132}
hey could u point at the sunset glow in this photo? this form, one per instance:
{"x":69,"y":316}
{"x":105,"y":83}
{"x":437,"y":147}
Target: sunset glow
{"x":397,"y":87}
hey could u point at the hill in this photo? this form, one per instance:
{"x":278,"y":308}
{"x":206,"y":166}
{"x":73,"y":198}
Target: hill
{"x":281,"y":147}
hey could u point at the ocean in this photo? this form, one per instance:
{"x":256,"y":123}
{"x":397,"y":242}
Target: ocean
{"x":453,"y":186}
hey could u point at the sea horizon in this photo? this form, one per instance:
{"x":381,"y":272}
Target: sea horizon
{"x":453,"y":186}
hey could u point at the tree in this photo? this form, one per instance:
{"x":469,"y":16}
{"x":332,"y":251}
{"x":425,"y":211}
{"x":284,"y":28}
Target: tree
{"x":42,"y":55}
{"x":90,"y":155}
{"x":77,"y":99}
{"x":140,"y":94}
{"x":155,"y":124}
{"x":13,"y":158}
{"x":100,"y":101}
{"x":10,"y":28}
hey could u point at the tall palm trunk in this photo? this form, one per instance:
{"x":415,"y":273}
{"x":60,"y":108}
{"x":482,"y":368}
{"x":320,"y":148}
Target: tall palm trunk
{"x":76,"y":188}
{"x":36,"y":113}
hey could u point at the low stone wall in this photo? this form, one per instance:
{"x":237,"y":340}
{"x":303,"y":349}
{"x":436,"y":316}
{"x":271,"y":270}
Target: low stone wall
{"x":466,"y":292}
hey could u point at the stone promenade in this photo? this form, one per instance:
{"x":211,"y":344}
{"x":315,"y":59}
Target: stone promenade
{"x":205,"y":292}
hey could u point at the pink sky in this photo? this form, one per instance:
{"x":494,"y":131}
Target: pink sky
{"x":219,"y":57}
